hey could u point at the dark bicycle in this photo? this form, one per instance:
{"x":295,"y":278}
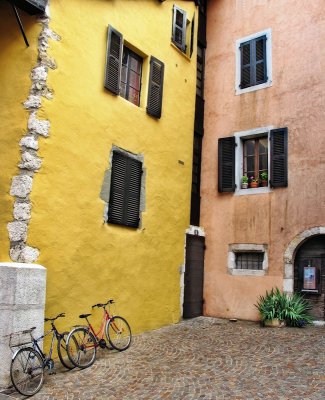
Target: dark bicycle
{"x":28,"y":362}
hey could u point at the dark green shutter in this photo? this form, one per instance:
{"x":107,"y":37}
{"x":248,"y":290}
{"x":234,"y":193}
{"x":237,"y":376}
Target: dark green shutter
{"x":113,"y":60}
{"x":279,"y":157}
{"x":155,"y":89}
{"x":253,"y":62}
{"x":245,"y":55}
{"x":125,"y":190}
{"x":260,"y":60}
{"x":226,"y":164}
{"x":179,"y":28}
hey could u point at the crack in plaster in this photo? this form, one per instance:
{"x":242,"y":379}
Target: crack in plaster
{"x":30,"y":163}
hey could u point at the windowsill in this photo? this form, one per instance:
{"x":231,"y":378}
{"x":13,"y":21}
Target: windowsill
{"x":247,"y":272}
{"x":259,"y":190}
{"x":253,"y":88}
{"x":188,"y":58}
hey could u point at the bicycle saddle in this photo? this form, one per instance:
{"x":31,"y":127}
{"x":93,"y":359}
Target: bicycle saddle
{"x":84,"y":315}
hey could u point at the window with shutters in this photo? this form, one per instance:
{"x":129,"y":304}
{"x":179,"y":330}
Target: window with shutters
{"x":255,"y":160}
{"x":123,"y":74}
{"x":254,"y":62}
{"x":183,"y":31}
{"x":260,"y":154}
{"x":125,"y":189}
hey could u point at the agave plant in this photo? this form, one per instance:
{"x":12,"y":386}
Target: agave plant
{"x":291,"y":308}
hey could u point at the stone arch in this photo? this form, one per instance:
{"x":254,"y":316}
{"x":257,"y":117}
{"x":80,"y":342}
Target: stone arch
{"x":290,"y":253}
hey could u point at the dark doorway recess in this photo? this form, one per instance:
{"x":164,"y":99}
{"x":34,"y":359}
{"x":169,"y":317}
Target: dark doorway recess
{"x":193,"y":279}
{"x":309,"y":274}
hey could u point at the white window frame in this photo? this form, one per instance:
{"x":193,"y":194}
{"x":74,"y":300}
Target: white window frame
{"x":268,"y":83}
{"x":239,"y":162}
{"x":243,"y":248}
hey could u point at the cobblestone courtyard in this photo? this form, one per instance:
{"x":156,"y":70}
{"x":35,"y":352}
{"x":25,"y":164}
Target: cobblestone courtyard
{"x":203,"y":358}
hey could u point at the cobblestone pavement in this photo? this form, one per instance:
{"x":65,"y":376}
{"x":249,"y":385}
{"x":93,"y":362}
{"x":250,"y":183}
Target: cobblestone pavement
{"x":203,"y":358}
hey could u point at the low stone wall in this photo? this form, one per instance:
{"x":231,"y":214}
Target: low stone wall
{"x":22,"y":303}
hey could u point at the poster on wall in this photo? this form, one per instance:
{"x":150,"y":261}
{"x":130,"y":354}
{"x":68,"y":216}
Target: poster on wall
{"x":310,"y":278}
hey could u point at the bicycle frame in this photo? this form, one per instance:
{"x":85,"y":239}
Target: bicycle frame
{"x":101,"y":332}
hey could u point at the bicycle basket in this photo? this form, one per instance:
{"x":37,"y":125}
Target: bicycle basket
{"x":21,"y":338}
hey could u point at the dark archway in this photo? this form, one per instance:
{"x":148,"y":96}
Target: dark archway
{"x":309,"y":273}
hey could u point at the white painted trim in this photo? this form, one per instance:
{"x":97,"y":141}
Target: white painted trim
{"x":239,"y":136}
{"x":268,"y":83}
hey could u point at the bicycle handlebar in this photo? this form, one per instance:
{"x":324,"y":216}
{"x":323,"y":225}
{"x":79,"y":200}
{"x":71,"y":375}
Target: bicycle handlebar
{"x":110,"y":301}
{"x":53,"y":319}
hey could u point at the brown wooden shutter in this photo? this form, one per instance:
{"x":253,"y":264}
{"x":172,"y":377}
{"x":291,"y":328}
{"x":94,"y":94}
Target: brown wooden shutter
{"x":279,"y":157}
{"x":125,"y":190}
{"x":113,"y":60}
{"x":179,"y":28}
{"x":226,"y":164}
{"x":155,"y":90}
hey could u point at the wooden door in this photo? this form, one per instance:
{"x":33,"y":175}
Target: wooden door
{"x":193,"y":279}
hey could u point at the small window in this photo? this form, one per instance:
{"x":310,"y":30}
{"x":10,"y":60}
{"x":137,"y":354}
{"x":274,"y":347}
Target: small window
{"x":249,"y":260}
{"x":131,"y":76}
{"x":254,"y":62}
{"x":183,"y":31}
{"x":124,"y":199}
{"x":255,"y":161}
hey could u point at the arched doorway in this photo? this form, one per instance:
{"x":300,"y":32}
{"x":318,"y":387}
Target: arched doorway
{"x":309,"y":273}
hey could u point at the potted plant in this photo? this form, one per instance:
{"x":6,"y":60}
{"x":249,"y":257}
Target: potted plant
{"x":264,"y":177}
{"x":244,"y":182}
{"x":278,"y":309}
{"x":253,"y":182}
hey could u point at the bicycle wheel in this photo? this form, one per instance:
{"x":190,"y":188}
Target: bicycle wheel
{"x":27,"y":372}
{"x":118,"y":333}
{"x":62,"y":351}
{"x":81,"y":347}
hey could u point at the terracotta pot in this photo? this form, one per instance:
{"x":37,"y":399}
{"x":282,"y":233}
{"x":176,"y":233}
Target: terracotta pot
{"x":253,"y":184}
{"x":264,"y":183}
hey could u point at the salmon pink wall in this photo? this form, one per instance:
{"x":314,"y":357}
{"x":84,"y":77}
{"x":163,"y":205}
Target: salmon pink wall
{"x":295,"y":100}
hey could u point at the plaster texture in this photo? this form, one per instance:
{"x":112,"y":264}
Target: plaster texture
{"x":295,"y":100}
{"x":22,"y":303}
{"x":89,"y":261}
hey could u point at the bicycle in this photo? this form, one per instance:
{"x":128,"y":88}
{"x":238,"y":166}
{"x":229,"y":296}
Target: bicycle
{"x":82,"y":350}
{"x":28,"y":363}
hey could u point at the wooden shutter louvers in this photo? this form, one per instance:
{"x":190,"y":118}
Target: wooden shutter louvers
{"x":226,"y":164}
{"x":279,"y":157}
{"x":155,"y":90}
{"x":125,"y":190}
{"x":113,"y":60}
{"x":179,"y":28}
{"x":253,"y":62}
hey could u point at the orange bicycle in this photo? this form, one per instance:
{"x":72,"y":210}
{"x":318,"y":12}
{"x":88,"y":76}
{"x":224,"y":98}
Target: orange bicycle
{"x":82,"y":341}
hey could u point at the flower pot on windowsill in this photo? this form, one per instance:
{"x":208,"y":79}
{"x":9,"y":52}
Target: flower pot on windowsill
{"x":253,"y":185}
{"x":244,"y":185}
{"x":264,"y":183}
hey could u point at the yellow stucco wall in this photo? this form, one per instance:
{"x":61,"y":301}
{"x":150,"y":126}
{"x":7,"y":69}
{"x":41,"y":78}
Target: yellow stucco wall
{"x":89,"y":261}
{"x":16,"y":62}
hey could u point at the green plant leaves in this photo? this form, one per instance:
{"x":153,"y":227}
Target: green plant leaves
{"x":291,"y":308}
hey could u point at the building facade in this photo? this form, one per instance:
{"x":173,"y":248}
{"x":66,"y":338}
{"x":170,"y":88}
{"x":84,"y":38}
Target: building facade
{"x":97,"y":139}
{"x":264,"y":117}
